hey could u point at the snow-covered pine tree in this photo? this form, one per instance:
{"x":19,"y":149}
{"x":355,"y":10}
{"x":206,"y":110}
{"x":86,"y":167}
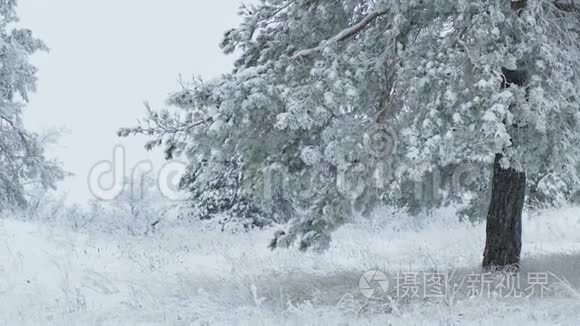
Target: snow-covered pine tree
{"x":496,"y":84}
{"x":305,"y":111}
{"x":318,"y":82}
{"x":22,"y":158}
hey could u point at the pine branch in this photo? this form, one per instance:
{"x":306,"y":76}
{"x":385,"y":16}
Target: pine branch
{"x":19,"y":132}
{"x":343,"y":35}
{"x":569,"y":6}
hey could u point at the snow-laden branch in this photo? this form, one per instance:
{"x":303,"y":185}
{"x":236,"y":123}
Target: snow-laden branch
{"x":18,"y":131}
{"x":567,"y":6}
{"x":343,"y":35}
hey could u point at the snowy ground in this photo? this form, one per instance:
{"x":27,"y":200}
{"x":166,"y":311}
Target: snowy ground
{"x":52,"y":275}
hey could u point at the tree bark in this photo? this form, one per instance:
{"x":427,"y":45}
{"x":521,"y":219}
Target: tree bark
{"x":504,"y":218}
{"x":503,"y":243}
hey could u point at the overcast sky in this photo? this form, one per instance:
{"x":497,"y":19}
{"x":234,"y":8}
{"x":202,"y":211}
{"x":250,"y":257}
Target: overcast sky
{"x":107,"y":57}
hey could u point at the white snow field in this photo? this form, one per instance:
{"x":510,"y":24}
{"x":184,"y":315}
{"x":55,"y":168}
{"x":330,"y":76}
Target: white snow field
{"x":50,"y":275}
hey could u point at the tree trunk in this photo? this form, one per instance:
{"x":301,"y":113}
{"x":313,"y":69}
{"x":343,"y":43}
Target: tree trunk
{"x":503,"y":243}
{"x":504,"y":218}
